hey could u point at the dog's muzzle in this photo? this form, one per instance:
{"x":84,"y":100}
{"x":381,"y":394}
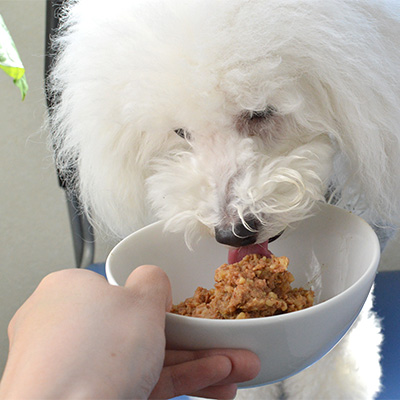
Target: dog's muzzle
{"x":238,"y":236}
{"x":241,"y":235}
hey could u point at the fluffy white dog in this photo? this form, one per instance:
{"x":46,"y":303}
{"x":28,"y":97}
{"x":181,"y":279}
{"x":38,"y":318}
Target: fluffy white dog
{"x":233,"y":118}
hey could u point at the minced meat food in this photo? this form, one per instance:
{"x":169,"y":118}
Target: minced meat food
{"x":257,"y":286}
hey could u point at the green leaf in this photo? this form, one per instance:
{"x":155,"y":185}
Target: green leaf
{"x":22,"y":84}
{"x":10,"y":61}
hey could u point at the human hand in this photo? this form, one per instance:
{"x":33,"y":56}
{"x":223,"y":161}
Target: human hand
{"x":79,"y":337}
{"x":207,"y":373}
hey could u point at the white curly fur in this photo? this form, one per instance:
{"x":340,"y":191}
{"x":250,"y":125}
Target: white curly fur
{"x":129,"y":73}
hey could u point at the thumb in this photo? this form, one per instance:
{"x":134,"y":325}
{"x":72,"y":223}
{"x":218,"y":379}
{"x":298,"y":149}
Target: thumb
{"x":150,"y":285}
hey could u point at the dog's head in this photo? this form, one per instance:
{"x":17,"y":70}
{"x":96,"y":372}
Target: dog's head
{"x":232,"y":117}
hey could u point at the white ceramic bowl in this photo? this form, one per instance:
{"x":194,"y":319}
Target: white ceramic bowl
{"x":334,"y":252}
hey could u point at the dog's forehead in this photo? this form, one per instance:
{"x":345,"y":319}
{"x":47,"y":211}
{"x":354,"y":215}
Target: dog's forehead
{"x":201,"y":62}
{"x":202,"y":47}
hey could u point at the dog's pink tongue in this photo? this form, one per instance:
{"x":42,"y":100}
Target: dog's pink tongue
{"x":236,"y":254}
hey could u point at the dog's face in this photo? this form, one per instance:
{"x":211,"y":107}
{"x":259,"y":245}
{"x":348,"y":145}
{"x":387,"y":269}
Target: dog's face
{"x":245,"y":134}
{"x":230,"y":117}
{"x":243,"y":156}
{"x":246,"y":181}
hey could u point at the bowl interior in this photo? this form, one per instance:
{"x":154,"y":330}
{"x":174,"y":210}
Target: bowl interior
{"x":328,"y":252}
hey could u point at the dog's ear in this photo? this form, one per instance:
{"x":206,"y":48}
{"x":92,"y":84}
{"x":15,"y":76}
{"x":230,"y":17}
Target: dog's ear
{"x":106,"y":166}
{"x":103,"y":150}
{"x":352,"y":87}
{"x":105,"y":134}
{"x":367,"y":133}
{"x":107,"y":123}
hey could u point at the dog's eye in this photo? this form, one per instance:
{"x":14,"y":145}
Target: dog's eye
{"x":267,"y":113}
{"x":259,"y":123}
{"x":182,"y":133}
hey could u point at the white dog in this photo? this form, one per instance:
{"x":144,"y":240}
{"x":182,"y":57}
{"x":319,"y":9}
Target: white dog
{"x":233,"y":118}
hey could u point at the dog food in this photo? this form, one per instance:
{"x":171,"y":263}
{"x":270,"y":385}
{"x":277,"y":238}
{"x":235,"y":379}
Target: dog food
{"x":255,"y":287}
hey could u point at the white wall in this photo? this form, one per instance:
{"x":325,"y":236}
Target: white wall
{"x":35,"y":237}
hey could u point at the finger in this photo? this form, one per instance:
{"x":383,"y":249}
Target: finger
{"x":174,"y":357}
{"x":245,"y":364}
{"x":151,"y":285}
{"x":192,"y":376}
{"x":217,"y":392}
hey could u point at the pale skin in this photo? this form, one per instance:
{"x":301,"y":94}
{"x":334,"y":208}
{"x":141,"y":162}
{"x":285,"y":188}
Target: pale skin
{"x":77,"y":337}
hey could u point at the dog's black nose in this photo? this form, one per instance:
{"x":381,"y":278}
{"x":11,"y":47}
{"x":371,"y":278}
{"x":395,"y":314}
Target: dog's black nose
{"x":238,"y":236}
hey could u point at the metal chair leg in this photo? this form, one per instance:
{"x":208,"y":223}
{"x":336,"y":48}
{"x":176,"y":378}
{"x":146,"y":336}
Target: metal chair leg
{"x":82,"y":234}
{"x":82,"y":231}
